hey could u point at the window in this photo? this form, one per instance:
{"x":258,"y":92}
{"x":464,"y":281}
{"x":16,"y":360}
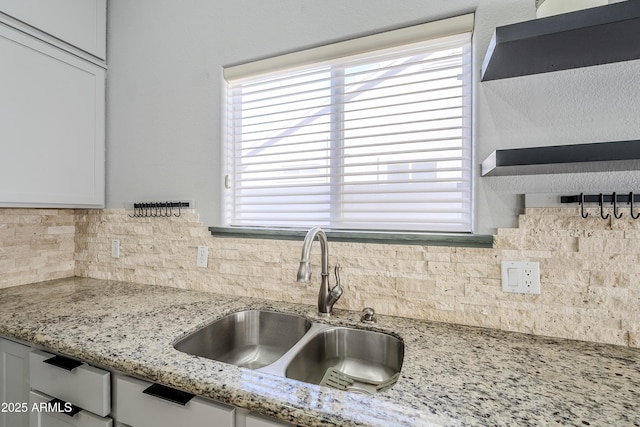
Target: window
{"x":376,"y":139}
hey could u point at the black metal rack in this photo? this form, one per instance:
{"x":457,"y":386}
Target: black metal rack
{"x":158,"y":209}
{"x":602,"y":199}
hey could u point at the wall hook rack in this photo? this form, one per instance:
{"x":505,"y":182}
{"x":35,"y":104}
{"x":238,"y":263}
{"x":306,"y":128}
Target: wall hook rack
{"x":631,"y":204}
{"x":613,"y":199}
{"x":158,"y":209}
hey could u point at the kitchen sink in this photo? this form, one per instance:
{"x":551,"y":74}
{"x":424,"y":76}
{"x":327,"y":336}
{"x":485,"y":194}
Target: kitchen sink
{"x":291,"y":346}
{"x":250,"y":339}
{"x":352,"y":359}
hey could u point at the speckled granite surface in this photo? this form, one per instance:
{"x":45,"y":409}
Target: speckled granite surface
{"x":452,"y":375}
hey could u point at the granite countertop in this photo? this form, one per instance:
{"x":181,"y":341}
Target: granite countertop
{"x":452,"y":375}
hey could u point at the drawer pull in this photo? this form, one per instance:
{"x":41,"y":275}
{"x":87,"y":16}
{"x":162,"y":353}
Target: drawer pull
{"x":169,"y":394}
{"x":63,"y":362}
{"x":61,"y":405}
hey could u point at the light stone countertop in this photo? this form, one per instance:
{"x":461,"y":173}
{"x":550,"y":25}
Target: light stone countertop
{"x":452,"y":375}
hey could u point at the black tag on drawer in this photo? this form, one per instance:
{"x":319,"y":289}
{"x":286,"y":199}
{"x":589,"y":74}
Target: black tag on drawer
{"x":169,"y":394}
{"x":63,"y":362}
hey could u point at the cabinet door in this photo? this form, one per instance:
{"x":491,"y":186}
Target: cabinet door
{"x":14,"y":383}
{"x":52,"y":115}
{"x":80,"y":23}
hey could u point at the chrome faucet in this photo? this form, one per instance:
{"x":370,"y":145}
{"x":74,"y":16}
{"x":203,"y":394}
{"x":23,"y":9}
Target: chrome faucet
{"x":326,"y":297}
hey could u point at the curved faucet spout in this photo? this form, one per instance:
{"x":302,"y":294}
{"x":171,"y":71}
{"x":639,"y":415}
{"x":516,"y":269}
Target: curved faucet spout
{"x":326,"y":297}
{"x":304,"y":271}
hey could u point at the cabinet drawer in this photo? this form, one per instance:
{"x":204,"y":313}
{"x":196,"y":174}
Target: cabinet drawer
{"x":84,"y":386}
{"x":54,"y":419}
{"x":137,"y":409}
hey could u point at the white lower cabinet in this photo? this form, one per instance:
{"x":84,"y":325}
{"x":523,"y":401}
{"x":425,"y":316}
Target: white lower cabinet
{"x":136,"y":408}
{"x":14,"y":384}
{"x":44,"y":417}
{"x":49,"y":390}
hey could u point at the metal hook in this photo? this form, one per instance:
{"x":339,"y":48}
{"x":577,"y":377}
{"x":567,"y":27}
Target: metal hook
{"x":179,"y":205}
{"x":615,"y":207}
{"x":631,"y":210}
{"x":582,"y":212}
{"x":602,"y":208}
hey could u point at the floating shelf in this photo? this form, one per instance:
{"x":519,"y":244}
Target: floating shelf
{"x":595,"y":36}
{"x":594,"y":157}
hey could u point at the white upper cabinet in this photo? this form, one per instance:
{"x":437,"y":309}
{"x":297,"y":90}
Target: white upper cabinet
{"x":52,"y":121}
{"x":52,"y":103}
{"x":80,"y":23}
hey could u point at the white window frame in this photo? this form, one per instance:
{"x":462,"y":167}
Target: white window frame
{"x":405,"y":36}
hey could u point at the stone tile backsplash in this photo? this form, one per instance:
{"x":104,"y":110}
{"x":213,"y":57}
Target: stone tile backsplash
{"x":36,"y":245}
{"x":589,"y":270}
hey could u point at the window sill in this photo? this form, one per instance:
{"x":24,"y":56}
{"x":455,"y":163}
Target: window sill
{"x":396,"y":238}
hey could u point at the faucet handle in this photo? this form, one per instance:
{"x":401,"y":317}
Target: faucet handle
{"x":336,"y":291}
{"x":336,"y":272}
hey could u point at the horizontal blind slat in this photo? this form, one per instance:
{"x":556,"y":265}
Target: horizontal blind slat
{"x":274,"y":91}
{"x":281,"y":166}
{"x":324,"y":98}
{"x":346,"y":191}
{"x":241,"y":151}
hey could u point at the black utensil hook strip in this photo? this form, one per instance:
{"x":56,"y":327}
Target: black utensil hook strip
{"x":158,"y":209}
{"x":613,"y":199}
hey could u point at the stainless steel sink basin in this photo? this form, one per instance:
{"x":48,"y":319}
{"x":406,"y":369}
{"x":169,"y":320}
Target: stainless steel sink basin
{"x":362,"y":360}
{"x":291,"y":346}
{"x":250,"y":339}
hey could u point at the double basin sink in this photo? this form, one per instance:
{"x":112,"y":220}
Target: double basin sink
{"x":291,"y":346}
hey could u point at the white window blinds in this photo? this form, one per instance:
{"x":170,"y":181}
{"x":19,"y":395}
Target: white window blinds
{"x":377,"y":140}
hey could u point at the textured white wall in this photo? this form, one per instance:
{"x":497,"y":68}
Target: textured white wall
{"x":164,"y":93}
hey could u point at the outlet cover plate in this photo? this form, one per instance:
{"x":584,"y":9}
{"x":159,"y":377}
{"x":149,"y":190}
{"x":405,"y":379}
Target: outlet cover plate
{"x":115,"y":248}
{"x":521,"y":277}
{"x":203,"y":256}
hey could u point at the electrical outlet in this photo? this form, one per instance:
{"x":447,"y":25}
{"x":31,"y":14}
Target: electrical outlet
{"x":521,"y":277}
{"x":115,"y":248}
{"x":203,"y":256}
